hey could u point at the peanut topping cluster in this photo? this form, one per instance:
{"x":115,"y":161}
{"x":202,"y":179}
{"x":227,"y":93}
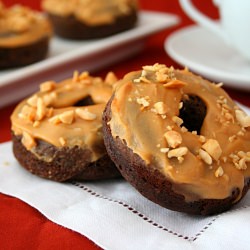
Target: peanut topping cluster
{"x":41,"y":107}
{"x":35,"y":110}
{"x":174,"y":149}
{"x":210,"y":150}
{"x":157,"y":72}
{"x":16,"y":19}
{"x":242,"y":118}
{"x":144,"y":101}
{"x":160,"y":108}
{"x":91,"y":12}
{"x":226,"y":115}
{"x":82,"y":78}
{"x":240,"y":159}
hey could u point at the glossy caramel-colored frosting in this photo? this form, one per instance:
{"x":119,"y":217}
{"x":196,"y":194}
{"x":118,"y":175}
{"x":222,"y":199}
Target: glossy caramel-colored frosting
{"x":50,"y":114}
{"x":20,"y":26}
{"x":145,"y":115}
{"x":91,"y":12}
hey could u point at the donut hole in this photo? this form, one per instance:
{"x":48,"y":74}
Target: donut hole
{"x":84,"y":102}
{"x":193,"y":112}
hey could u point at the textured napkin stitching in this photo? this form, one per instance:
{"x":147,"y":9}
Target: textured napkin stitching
{"x":150,"y":221}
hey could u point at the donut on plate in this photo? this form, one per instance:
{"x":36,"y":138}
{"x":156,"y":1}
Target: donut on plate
{"x":24,"y":36}
{"x":179,"y":140}
{"x":85,"y":19}
{"x":57,"y":132}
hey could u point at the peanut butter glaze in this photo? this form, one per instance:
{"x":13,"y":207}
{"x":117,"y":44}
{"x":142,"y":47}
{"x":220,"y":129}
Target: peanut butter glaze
{"x":49,"y":114}
{"x":145,"y":115}
{"x":21,"y":26}
{"x":91,"y":12}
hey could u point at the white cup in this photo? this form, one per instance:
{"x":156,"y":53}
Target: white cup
{"x":233,"y":26}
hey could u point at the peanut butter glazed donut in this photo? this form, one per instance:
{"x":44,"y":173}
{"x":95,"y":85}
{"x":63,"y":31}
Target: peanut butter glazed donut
{"x":57,"y":132}
{"x":179,"y":140}
{"x":90,"y":19}
{"x":24,"y":36}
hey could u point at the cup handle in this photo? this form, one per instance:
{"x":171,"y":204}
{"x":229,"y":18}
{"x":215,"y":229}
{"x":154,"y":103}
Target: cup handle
{"x":200,"y":18}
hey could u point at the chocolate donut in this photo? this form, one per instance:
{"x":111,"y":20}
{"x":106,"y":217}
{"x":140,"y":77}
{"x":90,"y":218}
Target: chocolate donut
{"x":90,"y":19}
{"x":57,"y":132}
{"x":179,"y":140}
{"x":24,"y":36}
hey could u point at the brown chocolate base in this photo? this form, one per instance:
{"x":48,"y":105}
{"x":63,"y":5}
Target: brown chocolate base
{"x":68,"y":163}
{"x":152,"y":184}
{"x":71,"y":28}
{"x":24,"y":55}
{"x":101,"y":169}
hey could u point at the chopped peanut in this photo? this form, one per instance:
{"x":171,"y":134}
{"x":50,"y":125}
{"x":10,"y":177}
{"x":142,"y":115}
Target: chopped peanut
{"x":55,"y":120}
{"x":62,"y":141}
{"x":75,"y":77}
{"x":173,"y":138}
{"x":174,"y":84}
{"x":111,"y":78}
{"x":85,"y":114}
{"x":28,"y":113}
{"x":177,"y":120}
{"x":32,"y":101}
{"x":177,"y":152}
{"x":161,"y":108}
{"x":219,"y":172}
{"x":242,"y":118}
{"x":28,"y":141}
{"x":142,"y":101}
{"x":164,"y":150}
{"x":49,"y":98}
{"x":36,"y":124}
{"x":205,"y":157}
{"x":41,"y":109}
{"x":84,"y":75}
{"x":67,"y":117}
{"x":47,"y":86}
{"x":212,"y":147}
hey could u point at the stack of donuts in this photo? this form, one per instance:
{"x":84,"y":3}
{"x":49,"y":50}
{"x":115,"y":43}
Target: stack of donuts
{"x":179,"y":139}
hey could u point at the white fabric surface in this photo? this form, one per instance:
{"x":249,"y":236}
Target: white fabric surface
{"x":115,"y":216}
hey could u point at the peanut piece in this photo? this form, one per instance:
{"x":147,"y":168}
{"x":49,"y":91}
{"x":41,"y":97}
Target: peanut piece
{"x":85,"y":114}
{"x":212,"y":147}
{"x":173,"y":138}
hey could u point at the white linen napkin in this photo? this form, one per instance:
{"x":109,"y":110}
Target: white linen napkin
{"x":115,"y":216}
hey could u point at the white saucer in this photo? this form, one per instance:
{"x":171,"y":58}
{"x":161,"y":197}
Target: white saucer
{"x":206,"y":54}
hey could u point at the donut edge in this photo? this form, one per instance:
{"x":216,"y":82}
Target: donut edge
{"x":71,"y":28}
{"x":68,"y":163}
{"x":152,"y":184}
{"x":24,"y":55}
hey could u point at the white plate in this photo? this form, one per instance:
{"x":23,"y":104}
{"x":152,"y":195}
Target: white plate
{"x":206,"y":54}
{"x":66,"y":56}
